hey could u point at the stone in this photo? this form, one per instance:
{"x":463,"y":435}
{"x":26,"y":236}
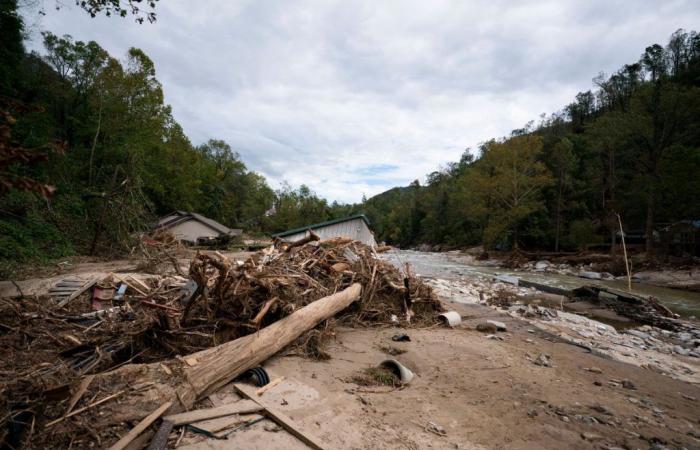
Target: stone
{"x":541,"y":265}
{"x":639,"y":334}
{"x":565,"y":419}
{"x":486,"y":327}
{"x":591,"y":436}
{"x":543,"y":360}
{"x":684,"y":336}
{"x":500,"y":326}
{"x":680,"y":350}
{"x":628,"y":384}
{"x":593,"y":369}
{"x":590,"y":275}
{"x":601,"y":409}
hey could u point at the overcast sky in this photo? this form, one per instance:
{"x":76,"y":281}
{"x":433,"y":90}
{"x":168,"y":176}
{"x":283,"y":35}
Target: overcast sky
{"x":356,"y":97}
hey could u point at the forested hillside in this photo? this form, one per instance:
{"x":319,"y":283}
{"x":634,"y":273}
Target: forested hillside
{"x":92,"y":154}
{"x":631,"y":147}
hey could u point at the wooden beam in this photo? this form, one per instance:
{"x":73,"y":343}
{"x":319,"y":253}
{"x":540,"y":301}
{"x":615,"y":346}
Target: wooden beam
{"x":140,"y":427}
{"x":241,"y":407}
{"x":88,"y":284}
{"x":280,"y":418}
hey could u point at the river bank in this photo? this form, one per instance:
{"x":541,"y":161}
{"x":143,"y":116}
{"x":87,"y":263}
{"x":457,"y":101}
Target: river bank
{"x":460,"y":279}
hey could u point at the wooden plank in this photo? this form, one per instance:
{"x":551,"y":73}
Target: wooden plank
{"x":242,"y":407}
{"x":78,"y":394}
{"x":140,"y":427}
{"x":160,"y":440}
{"x":280,"y":418}
{"x":269,"y":386}
{"x":77,"y":293}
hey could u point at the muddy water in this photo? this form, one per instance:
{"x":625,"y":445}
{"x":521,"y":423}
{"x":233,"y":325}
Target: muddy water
{"x":456,"y":266}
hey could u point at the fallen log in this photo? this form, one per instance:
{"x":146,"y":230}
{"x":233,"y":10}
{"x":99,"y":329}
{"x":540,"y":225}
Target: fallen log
{"x":219,"y":365}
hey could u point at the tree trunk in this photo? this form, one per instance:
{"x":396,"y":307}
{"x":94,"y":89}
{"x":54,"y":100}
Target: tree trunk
{"x":649,"y":231}
{"x":556,"y":237}
{"x":219,"y":365}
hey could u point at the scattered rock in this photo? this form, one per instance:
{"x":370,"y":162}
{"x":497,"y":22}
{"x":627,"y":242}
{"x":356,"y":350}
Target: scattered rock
{"x":680,"y":350}
{"x":401,"y":337}
{"x":590,"y":275}
{"x":601,"y":409}
{"x":543,"y":360}
{"x":628,"y":384}
{"x":639,"y":334}
{"x":591,"y":436}
{"x":541,"y":265}
{"x":273,"y":427}
{"x":486,"y":327}
{"x":688,"y":397}
{"x":500,"y":326}
{"x":494,"y":337}
{"x":593,"y":369}
{"x":435,"y":428}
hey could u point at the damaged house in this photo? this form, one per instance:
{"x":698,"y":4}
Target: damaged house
{"x":194,"y":228}
{"x":354,"y":227}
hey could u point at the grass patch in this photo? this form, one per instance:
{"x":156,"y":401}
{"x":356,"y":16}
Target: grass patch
{"x":389,"y":350}
{"x":376,"y":376}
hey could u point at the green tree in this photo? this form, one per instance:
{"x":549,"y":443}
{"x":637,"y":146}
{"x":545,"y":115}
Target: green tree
{"x":509,"y":178}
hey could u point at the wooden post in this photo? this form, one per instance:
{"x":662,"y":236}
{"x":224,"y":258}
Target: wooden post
{"x":624,"y":249}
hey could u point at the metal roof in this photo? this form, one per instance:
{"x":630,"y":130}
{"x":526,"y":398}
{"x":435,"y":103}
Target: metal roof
{"x":183,"y":216}
{"x":322,"y":224}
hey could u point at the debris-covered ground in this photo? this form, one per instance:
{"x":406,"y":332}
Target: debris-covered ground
{"x":523,"y":368}
{"x":87,"y":326}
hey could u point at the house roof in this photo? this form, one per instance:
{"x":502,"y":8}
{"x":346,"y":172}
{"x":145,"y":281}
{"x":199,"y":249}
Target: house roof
{"x":183,"y":216}
{"x":322,"y":224}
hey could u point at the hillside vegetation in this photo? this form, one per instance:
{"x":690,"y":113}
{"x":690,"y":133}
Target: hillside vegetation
{"x":91,"y":155}
{"x":631,"y":147}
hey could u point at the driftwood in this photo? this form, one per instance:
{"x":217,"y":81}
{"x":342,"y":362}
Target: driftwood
{"x":219,"y":365}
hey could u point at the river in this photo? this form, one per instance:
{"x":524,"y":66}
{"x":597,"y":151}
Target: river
{"x":453,"y":266}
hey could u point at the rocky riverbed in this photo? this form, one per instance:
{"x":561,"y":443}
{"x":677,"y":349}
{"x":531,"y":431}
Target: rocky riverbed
{"x":675,"y":353}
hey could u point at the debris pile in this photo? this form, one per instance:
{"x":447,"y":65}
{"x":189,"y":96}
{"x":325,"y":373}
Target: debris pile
{"x":123,"y":320}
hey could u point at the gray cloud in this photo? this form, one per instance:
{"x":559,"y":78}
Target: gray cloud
{"x":353,"y":98}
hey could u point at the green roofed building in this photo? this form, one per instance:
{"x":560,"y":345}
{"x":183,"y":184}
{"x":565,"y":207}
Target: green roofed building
{"x":354,"y":227}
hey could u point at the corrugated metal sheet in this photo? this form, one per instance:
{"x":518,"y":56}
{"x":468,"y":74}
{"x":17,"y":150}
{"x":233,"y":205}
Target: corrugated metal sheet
{"x":355,"y":229}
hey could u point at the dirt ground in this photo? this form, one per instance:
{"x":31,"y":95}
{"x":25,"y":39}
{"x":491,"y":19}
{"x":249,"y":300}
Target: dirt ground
{"x":484,"y":393}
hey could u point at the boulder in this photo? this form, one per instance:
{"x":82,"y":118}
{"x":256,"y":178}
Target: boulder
{"x":500,"y":326}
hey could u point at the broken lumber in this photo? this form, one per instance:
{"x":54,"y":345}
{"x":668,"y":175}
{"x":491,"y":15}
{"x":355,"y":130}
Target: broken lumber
{"x":279,"y":418}
{"x":241,"y":407}
{"x":140,"y":427}
{"x":305,"y":240}
{"x":88,"y":284}
{"x":269,"y":386}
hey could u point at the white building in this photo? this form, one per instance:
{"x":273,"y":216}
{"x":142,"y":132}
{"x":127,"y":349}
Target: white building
{"x":191,"y":227}
{"x":353,"y":227}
